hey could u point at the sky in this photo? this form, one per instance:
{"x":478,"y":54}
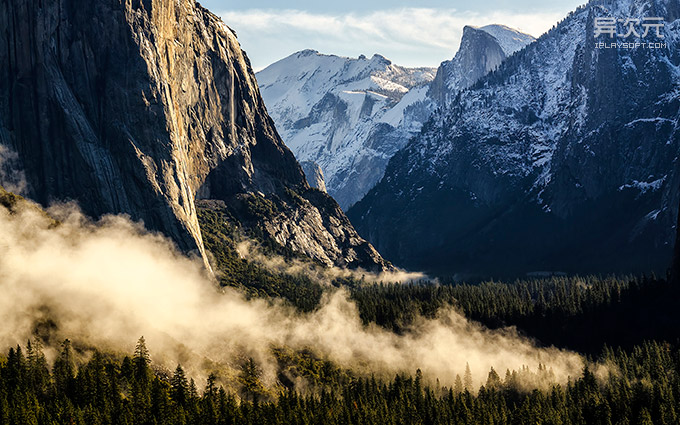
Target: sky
{"x":410,"y":33}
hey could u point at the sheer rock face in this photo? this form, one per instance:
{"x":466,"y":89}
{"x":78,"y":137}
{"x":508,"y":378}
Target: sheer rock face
{"x":314,"y":175}
{"x":142,"y":106}
{"x":479,"y":53}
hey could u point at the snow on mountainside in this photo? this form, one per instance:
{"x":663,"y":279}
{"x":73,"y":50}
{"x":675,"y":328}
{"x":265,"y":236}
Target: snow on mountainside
{"x":334,"y":111}
{"x":351,"y":115}
{"x":294,"y":85}
{"x":510,"y":39}
{"x":481,"y":50}
{"x":564,"y":158}
{"x":314,"y":175}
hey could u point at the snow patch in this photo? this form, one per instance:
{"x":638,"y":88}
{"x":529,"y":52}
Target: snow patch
{"x":644,"y":187}
{"x":510,"y":39}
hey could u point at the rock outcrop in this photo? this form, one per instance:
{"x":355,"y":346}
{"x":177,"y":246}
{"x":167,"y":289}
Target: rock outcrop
{"x":480,"y":52}
{"x":314,"y":175}
{"x":140,"y":107}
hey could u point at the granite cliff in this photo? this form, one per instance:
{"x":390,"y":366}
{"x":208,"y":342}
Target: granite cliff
{"x":141,"y":107}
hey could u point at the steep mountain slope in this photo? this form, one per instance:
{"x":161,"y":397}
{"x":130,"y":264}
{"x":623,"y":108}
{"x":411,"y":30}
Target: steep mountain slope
{"x":332,"y":110}
{"x":481,"y":51}
{"x":565,"y":158}
{"x":141,"y":107}
{"x":351,"y":115}
{"x":675,"y":266}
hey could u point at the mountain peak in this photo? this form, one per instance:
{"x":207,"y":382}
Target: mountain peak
{"x":509,"y":39}
{"x":307,"y":52}
{"x":380,"y":58}
{"x":470,"y":28}
{"x":336,"y":111}
{"x":482,"y":49}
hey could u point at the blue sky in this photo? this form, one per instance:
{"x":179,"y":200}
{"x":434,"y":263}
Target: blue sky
{"x":410,"y":33}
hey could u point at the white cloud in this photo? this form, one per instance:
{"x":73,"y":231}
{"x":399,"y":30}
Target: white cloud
{"x":105,"y":284}
{"x":408,"y":36}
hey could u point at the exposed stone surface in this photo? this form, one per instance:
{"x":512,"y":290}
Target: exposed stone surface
{"x":478,"y":54}
{"x":140,"y":107}
{"x":314,"y":175}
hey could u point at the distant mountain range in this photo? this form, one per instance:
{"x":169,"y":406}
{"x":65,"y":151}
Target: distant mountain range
{"x":350,"y":116}
{"x":565,"y":158}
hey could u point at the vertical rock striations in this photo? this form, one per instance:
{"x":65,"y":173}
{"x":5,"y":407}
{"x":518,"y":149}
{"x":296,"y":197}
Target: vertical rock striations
{"x":142,"y":106}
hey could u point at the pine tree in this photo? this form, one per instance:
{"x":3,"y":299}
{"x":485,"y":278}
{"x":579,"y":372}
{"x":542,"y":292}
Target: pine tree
{"x":209,"y":404}
{"x":142,"y":381}
{"x":142,"y":356}
{"x":180,"y":388}
{"x":193,"y":391}
{"x":38,"y":371}
{"x":15,"y":369}
{"x":63,"y":370}
{"x":644,"y":418}
{"x":250,"y":380}
{"x":467,"y":378}
{"x":493,"y":381}
{"x":458,"y":386}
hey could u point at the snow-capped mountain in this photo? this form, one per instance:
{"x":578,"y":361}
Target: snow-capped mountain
{"x":334,"y":111}
{"x":564,"y":158}
{"x":351,"y":115}
{"x":481,"y":50}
